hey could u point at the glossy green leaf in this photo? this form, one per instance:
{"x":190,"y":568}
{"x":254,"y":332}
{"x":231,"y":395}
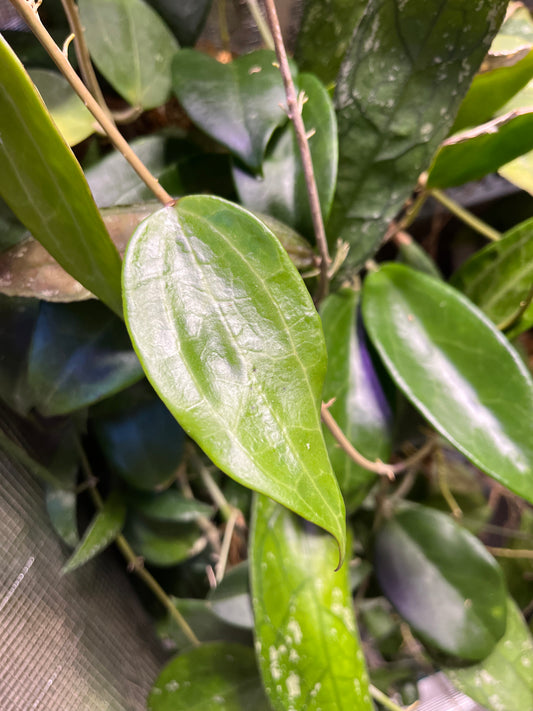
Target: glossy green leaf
{"x":61,"y":507}
{"x":492,"y":89}
{"x":456,"y":368}
{"x":407,"y":69}
{"x":503,"y":681}
{"x":162,"y":544}
{"x":360,"y":407}
{"x":306,"y":638}
{"x":212,"y":677}
{"x":43,"y":184}
{"x":325,"y":33}
{"x":499,"y":277}
{"x":169,"y":505}
{"x":103,"y":529}
{"x":73,"y":119}
{"x":140,"y":439}
{"x":299,"y":250}
{"x":472,"y":154}
{"x":230,"y":339}
{"x":230,"y":600}
{"x":430,"y":569}
{"x":185,"y":18}
{"x":281,"y":190}
{"x":132,"y":47}
{"x":238,"y":104}
{"x":80,"y":354}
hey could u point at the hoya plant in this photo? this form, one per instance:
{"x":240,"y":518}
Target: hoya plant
{"x":221,"y":338}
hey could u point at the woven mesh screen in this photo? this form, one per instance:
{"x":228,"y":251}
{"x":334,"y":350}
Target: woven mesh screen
{"x":79,"y":642}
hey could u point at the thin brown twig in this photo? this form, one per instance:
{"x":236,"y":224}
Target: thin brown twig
{"x":295,"y":114}
{"x":510,"y":552}
{"x":33,"y":21}
{"x":378,"y":467}
{"x":226,"y":544}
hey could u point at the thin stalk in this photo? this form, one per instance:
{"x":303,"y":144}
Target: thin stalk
{"x":264,"y":30}
{"x":510,"y":552}
{"x":226,"y":543}
{"x":134,"y":563}
{"x":467,"y":217}
{"x":294,"y":107}
{"x":33,"y":21}
{"x":383,"y":699}
{"x":445,"y":488}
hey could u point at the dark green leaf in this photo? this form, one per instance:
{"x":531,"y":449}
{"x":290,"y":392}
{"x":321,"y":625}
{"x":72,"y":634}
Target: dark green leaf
{"x":431,"y":570}
{"x":400,"y":85}
{"x":325,"y":33}
{"x":213,"y":677}
{"x":490,"y":90}
{"x":298,"y":249}
{"x":141,"y":440}
{"x":230,"y":339}
{"x":17,"y":323}
{"x":472,"y":154}
{"x":80,"y":354}
{"x":503,"y":681}
{"x":412,"y":254}
{"x":42,"y":183}
{"x":12,"y":231}
{"x":169,"y":505}
{"x":72,"y":118}
{"x":238,"y":104}
{"x":306,"y":637}
{"x":61,"y":507}
{"x":103,"y":529}
{"x":499,"y":277}
{"x":281,"y":189}
{"x":230,"y":600}
{"x":162,"y":544}
{"x":185,"y":18}
{"x":456,"y":368}
{"x":132,"y":47}
{"x":360,"y":407}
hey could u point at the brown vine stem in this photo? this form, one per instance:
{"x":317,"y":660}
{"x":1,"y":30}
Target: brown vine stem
{"x":135,"y":564}
{"x":295,"y":114}
{"x":33,"y":21}
{"x":510,"y":552}
{"x":378,"y":467}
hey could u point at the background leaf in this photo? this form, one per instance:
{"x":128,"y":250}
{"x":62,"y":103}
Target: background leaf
{"x":213,"y":676}
{"x":407,"y":68}
{"x":132,"y":47}
{"x":169,"y":505}
{"x":160,"y":543}
{"x":43,"y":184}
{"x":185,"y":18}
{"x":306,"y":638}
{"x":230,"y":339}
{"x":280,"y":190}
{"x":61,"y":507}
{"x":428,"y":566}
{"x":456,"y":368}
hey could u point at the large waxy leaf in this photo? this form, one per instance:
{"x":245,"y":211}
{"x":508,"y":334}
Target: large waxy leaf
{"x":499,"y":277}
{"x":472,"y":154}
{"x":456,"y":368}
{"x":400,"y":85}
{"x":132,"y":47}
{"x":72,"y":118}
{"x":185,"y":18}
{"x":430,"y":569}
{"x":212,"y":677}
{"x":230,"y":339}
{"x":281,"y":190}
{"x":306,"y":638}
{"x":80,"y":353}
{"x":102,"y":531}
{"x":360,"y":407}
{"x":43,"y":184}
{"x":238,"y":104}
{"x":503,"y":681}
{"x":324,"y":35}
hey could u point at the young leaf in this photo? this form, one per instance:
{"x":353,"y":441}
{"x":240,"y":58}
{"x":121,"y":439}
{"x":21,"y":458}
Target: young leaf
{"x":430,"y":568}
{"x":360,"y":406}
{"x":214,"y":676}
{"x":80,"y":354}
{"x":43,"y":184}
{"x":399,"y":87}
{"x":238,"y":104}
{"x":103,"y":529}
{"x":281,"y":190}
{"x":456,"y":368}
{"x":230,"y":339}
{"x":499,"y":278}
{"x":503,"y":681}
{"x":306,"y":638}
{"x":132,"y":47}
